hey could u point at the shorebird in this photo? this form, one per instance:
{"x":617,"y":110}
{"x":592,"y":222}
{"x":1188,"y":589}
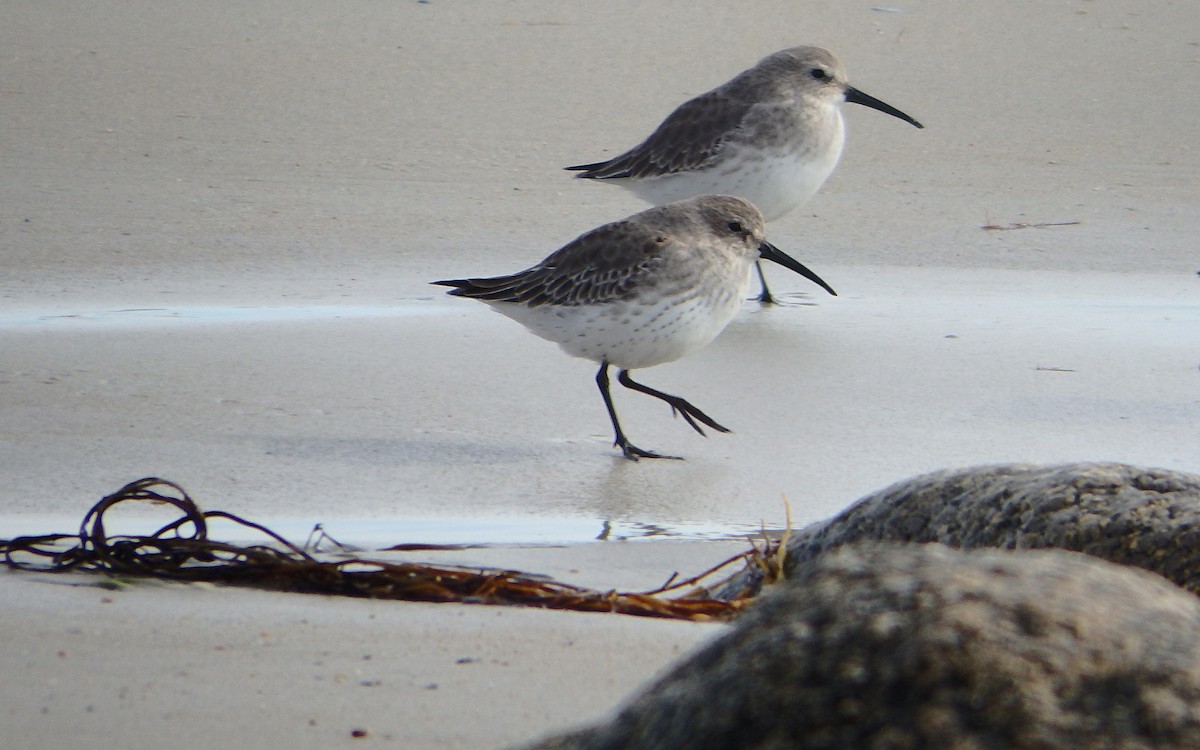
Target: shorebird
{"x":772,"y":135}
{"x":639,"y":292}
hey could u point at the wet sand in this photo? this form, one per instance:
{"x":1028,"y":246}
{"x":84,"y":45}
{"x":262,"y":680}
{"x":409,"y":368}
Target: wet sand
{"x":220,"y":225}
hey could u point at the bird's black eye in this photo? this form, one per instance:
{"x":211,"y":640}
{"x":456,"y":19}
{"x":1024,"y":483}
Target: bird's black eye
{"x":818,"y":73}
{"x":735,"y":226}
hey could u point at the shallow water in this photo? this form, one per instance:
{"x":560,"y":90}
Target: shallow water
{"x":380,"y":533}
{"x":149,"y":317}
{"x":456,"y":426}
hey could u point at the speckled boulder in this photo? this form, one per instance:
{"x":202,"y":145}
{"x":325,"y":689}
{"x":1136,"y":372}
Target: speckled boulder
{"x":921,"y":647}
{"x":1126,"y":514}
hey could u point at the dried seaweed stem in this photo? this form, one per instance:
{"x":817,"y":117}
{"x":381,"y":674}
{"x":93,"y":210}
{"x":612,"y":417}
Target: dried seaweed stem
{"x":182,"y":551}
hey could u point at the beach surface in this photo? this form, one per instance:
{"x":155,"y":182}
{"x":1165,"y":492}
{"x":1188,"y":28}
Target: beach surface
{"x":220,"y":221}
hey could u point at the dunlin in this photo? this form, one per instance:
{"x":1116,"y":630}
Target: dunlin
{"x":639,"y":292}
{"x":772,"y":135}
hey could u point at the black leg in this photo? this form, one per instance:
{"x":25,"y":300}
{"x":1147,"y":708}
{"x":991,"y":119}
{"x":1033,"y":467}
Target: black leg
{"x":765,"y":297}
{"x":631,"y":451}
{"x":678,"y":405}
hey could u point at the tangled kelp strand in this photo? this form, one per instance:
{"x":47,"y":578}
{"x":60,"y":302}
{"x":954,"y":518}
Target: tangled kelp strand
{"x":183,"y":551}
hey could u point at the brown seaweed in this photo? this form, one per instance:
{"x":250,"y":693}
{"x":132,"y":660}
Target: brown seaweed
{"x":182,"y":551}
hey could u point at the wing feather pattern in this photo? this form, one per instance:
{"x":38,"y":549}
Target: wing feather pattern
{"x":600,"y":266}
{"x":688,"y":139}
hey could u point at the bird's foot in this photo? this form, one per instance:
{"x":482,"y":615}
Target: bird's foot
{"x":634,"y":453}
{"x":680,"y":407}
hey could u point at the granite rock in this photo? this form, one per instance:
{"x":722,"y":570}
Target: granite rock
{"x":1131,"y":515}
{"x":926,"y":647}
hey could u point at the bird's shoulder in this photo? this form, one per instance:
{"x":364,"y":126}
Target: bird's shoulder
{"x":604,"y":264}
{"x":688,"y":139}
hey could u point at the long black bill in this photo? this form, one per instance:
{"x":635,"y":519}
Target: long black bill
{"x":854,"y":96}
{"x":770,"y":252}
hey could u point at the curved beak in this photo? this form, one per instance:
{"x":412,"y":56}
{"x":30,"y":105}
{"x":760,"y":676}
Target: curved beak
{"x":769,"y":252}
{"x":854,"y":96}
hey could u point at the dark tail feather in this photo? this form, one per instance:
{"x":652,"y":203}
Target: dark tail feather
{"x":462,"y":287}
{"x":601,"y":170}
{"x":497,"y":289}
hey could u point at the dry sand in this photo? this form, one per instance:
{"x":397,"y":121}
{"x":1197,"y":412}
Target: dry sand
{"x":219,"y":221}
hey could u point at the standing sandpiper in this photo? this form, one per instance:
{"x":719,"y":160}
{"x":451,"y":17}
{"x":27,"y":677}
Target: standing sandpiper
{"x":642,"y":291}
{"x":771,"y":135}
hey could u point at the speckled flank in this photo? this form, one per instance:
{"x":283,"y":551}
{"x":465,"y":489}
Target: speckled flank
{"x":667,"y":313}
{"x":638,"y":333}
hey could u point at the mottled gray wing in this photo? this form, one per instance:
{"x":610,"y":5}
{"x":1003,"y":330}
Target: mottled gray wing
{"x":687,"y":139}
{"x":603,"y":265}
